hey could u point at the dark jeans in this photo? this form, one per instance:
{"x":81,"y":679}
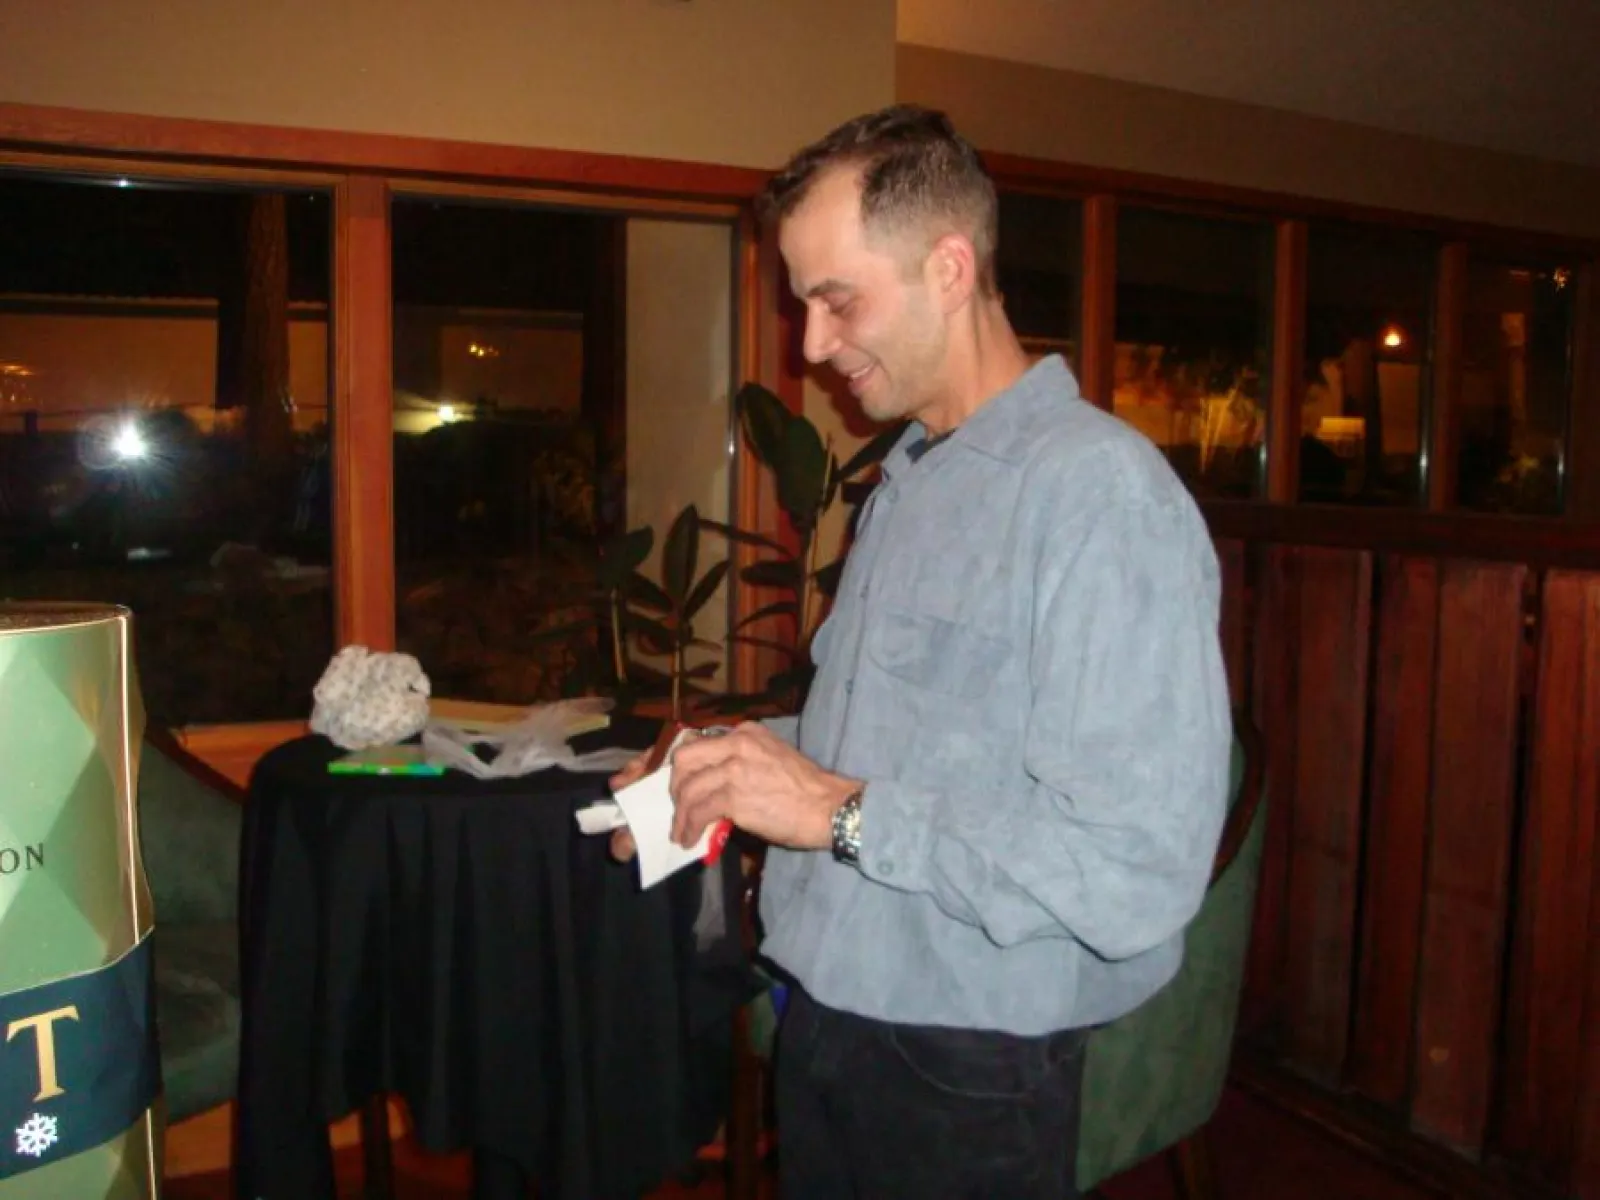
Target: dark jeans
{"x":874,"y":1111}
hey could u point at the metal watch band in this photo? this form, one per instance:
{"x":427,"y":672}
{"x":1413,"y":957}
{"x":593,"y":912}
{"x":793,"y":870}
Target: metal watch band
{"x":847,"y":829}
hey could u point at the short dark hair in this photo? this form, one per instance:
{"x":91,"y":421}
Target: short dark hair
{"x":915,"y":170}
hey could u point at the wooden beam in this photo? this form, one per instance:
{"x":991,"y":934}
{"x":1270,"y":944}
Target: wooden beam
{"x":1098,"y":357}
{"x":25,"y":126}
{"x":1537,"y":542}
{"x":1444,"y":408}
{"x":1284,"y":421}
{"x":363,"y":416}
{"x":1068,"y":178}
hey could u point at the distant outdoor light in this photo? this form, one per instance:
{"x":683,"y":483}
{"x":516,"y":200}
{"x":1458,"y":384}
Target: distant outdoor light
{"x":124,"y":183}
{"x":447,"y":412}
{"x":129,"y":444}
{"x":482,"y":350}
{"x":1394,"y":337}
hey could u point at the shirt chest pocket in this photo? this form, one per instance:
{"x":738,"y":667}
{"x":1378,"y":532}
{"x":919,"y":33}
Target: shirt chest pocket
{"x":935,"y":654}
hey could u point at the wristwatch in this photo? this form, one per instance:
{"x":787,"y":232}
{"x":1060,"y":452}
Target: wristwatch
{"x":847,"y":829}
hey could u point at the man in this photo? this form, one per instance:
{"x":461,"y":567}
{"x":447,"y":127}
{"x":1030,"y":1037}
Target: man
{"x":1009,"y":777}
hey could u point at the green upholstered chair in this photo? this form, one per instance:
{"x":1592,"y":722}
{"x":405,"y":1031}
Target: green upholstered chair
{"x":189,"y":824}
{"x":1153,"y":1077}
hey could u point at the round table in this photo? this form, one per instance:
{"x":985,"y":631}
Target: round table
{"x":458,"y":942}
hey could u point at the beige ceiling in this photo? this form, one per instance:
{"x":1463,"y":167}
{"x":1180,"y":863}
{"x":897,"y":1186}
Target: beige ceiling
{"x":1517,"y":76}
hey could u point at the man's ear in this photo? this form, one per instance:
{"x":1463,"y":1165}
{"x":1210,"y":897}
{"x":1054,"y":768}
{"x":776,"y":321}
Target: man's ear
{"x":953,"y":264}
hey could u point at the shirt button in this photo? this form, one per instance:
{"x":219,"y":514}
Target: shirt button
{"x":849,"y":686}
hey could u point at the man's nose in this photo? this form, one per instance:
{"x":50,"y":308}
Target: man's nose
{"x":821,"y":338}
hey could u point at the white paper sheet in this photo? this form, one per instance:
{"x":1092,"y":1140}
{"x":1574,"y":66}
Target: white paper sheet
{"x":646,"y":808}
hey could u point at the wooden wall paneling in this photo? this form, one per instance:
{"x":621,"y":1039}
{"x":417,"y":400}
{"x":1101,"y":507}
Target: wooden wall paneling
{"x":1557,"y":883}
{"x":1275,"y":689}
{"x":1284,"y":421}
{"x":1396,"y":834}
{"x":363,"y":416}
{"x":1233,"y":558}
{"x":1097,"y":358}
{"x":1325,"y":834}
{"x":1469,"y":850}
{"x":1444,"y":402}
{"x":1277,"y":632}
{"x":1586,"y":1165}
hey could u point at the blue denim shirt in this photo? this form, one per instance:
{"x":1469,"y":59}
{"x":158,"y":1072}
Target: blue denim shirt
{"x":1023,"y":664}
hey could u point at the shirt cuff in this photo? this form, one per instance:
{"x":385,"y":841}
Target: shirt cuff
{"x":896,"y":835}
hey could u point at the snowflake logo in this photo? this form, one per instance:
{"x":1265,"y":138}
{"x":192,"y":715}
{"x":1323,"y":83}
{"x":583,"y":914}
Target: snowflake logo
{"x":36,"y":1135}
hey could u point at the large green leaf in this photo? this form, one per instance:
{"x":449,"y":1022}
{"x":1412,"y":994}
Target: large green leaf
{"x":622,"y":555}
{"x":783,"y":608}
{"x":647,"y":592}
{"x":765,"y":643}
{"x":784,"y":573}
{"x":802,"y":473}
{"x":709,"y":582}
{"x":678,"y":555}
{"x":734,"y":534}
{"x":656,"y":635}
{"x":832,"y":487}
{"x":799,"y":676}
{"x":765,"y":418}
{"x":873,"y":451}
{"x":828,"y":578}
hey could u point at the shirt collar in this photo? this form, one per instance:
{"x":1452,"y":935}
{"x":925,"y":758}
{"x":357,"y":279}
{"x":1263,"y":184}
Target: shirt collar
{"x":1005,"y":425}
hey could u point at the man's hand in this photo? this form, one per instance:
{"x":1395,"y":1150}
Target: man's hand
{"x":622,"y":844}
{"x":759,"y":782}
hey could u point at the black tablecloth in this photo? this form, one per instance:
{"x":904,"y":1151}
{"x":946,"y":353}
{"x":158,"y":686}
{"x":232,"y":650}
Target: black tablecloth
{"x":459,"y":942}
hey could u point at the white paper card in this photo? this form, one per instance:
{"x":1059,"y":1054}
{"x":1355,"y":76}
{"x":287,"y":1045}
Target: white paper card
{"x":602,"y":817}
{"x":647,"y":807}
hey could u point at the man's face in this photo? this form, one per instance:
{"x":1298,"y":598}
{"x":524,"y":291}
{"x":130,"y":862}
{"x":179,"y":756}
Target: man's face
{"x":870,"y":308}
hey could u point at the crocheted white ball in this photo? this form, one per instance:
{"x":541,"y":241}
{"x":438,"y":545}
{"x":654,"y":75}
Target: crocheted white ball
{"x":370,"y":698}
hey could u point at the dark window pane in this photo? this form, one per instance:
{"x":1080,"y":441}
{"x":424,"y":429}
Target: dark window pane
{"x":1516,"y":386}
{"x":164,"y":429}
{"x":1369,"y":308}
{"x":560,"y":378}
{"x":1040,"y":268}
{"x":1194,"y":335}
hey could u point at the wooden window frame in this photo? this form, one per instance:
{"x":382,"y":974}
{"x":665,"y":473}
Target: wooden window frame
{"x":364,"y":171}
{"x":1103,"y":193}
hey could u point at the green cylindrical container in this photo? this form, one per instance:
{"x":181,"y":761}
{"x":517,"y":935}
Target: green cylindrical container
{"x":79,"y":1063}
